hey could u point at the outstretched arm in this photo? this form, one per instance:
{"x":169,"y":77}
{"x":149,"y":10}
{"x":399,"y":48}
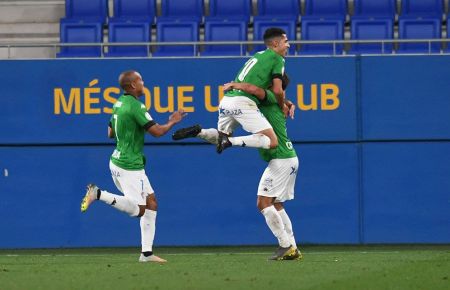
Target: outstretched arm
{"x":158,"y":130}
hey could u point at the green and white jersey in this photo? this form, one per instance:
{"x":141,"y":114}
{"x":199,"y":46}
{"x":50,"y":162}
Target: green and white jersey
{"x":259,"y":70}
{"x":130,"y":120}
{"x":275,"y":116}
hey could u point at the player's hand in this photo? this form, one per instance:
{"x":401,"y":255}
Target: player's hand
{"x":285,"y":110}
{"x":228,"y":86}
{"x":177,"y":116}
{"x":291,"y":108}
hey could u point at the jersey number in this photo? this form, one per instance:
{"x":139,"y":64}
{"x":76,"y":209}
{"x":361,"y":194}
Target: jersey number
{"x":116,"y":117}
{"x":247,"y":67}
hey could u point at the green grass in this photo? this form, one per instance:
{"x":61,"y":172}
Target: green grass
{"x":339,"y":267}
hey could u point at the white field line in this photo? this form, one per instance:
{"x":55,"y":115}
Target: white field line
{"x":200,"y":254}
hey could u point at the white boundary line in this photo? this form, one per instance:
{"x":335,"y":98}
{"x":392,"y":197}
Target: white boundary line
{"x":199,"y":254}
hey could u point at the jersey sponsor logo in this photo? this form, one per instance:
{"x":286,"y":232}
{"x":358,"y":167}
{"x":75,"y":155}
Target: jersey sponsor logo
{"x":118,"y":104}
{"x":226,"y":112}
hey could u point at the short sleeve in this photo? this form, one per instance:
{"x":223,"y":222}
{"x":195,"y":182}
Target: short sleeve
{"x":142,"y":116}
{"x":278,"y":68}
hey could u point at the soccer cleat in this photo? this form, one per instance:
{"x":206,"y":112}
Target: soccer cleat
{"x":297,"y":256}
{"x":222,"y":142}
{"x":283,"y":253}
{"x":90,"y":197}
{"x":151,"y":258}
{"x":188,"y":132}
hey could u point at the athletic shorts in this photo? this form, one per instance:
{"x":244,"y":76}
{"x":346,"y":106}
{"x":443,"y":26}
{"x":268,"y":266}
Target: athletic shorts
{"x":134,"y":184}
{"x":278,"y":180}
{"x":240,"y":110}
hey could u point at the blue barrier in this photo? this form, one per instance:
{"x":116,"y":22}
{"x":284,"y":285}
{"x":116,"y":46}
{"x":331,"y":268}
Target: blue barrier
{"x":372,"y":134}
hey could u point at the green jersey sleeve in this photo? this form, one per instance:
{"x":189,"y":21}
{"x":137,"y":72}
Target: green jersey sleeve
{"x":142,"y":117}
{"x":278,"y":67}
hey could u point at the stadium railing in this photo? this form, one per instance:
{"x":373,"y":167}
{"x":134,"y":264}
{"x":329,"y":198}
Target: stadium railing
{"x":198,"y":46}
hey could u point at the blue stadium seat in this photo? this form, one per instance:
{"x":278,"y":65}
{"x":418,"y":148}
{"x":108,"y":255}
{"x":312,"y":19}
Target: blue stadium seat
{"x":419,"y":29}
{"x":367,"y":29}
{"x":335,"y":9}
{"x":423,"y":8}
{"x":72,"y":31}
{"x":230,"y":9}
{"x":260,"y":26}
{"x":176,"y":10}
{"x":216,"y":30}
{"x":375,"y":8}
{"x":136,"y":10}
{"x":322,"y":29}
{"x":88,"y":10}
{"x":279,"y":9}
{"x":128,"y":31}
{"x":171,"y":31}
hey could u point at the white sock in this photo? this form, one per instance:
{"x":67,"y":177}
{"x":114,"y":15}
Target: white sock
{"x":210,"y":135}
{"x":288,"y":226}
{"x":148,"y":227}
{"x":255,"y":141}
{"x":120,"y":202}
{"x":275,"y":224}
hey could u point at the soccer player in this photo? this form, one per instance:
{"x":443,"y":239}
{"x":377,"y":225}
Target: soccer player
{"x":129,"y":122}
{"x":278,"y":180}
{"x":264,"y":69}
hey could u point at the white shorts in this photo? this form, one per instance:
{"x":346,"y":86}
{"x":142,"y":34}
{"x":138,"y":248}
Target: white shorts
{"x":240,"y":110}
{"x":278,"y":180}
{"x":134,"y":184}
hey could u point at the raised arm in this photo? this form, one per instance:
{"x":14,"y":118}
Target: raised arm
{"x":157,"y":130}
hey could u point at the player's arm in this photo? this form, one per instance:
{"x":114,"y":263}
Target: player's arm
{"x":111,"y":133}
{"x":277,"y":80}
{"x":246,"y":87}
{"x":158,"y":130}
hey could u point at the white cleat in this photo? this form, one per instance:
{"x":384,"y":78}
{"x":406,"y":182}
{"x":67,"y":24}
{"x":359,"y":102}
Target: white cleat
{"x":151,"y":258}
{"x":90,"y":197}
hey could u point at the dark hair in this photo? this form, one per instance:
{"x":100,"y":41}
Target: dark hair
{"x":285,"y":81}
{"x":272,"y":32}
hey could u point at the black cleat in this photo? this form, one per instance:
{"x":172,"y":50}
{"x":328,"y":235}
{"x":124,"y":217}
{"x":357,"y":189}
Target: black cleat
{"x":188,"y":132}
{"x":222,"y":142}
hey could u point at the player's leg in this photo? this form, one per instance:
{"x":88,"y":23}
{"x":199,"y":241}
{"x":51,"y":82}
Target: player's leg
{"x":246,"y":113}
{"x":119,"y":202}
{"x":287,"y":184}
{"x":210,"y":135}
{"x":148,"y":228}
{"x":267,"y":192}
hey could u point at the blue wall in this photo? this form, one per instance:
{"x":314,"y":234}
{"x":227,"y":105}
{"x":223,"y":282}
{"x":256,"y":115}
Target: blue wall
{"x":372,"y":134}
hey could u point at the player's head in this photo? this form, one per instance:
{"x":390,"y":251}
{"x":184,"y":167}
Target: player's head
{"x":131,"y":82}
{"x":275,"y":38}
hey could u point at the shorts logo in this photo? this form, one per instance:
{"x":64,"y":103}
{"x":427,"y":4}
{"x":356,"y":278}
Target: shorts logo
{"x":268,"y":183}
{"x":115,"y":173}
{"x":226,"y":112}
{"x":294,"y":170}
